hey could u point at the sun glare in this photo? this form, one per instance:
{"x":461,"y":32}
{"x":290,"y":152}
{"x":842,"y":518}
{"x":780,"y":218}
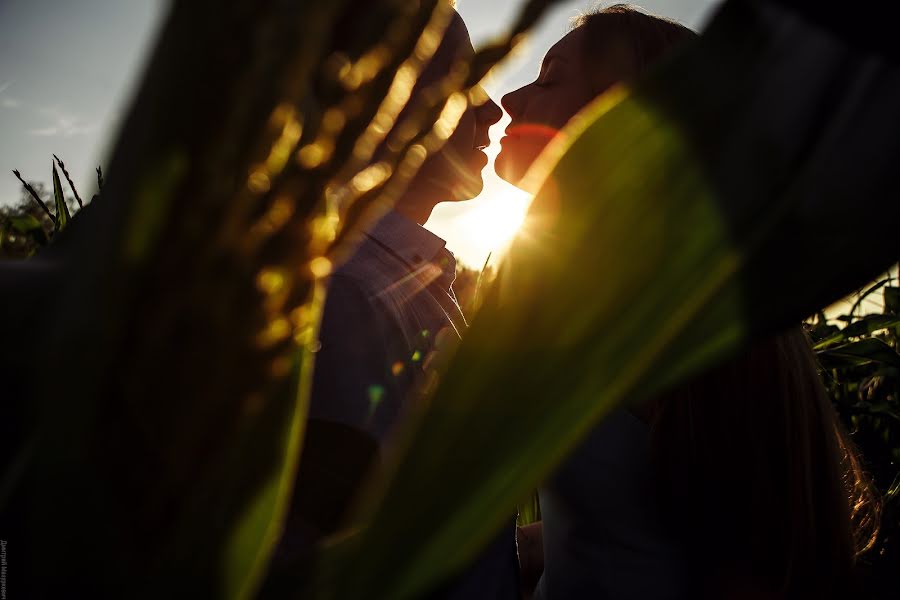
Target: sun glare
{"x":487,"y":224}
{"x":496,"y":218}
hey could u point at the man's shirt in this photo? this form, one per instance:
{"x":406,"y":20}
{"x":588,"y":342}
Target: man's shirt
{"x":384,"y":308}
{"x":385,"y":305}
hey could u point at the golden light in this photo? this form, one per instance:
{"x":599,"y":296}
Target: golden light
{"x":495,"y":218}
{"x":487,"y":224}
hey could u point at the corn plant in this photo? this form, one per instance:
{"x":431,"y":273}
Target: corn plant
{"x":860,"y":359}
{"x":26,"y":228}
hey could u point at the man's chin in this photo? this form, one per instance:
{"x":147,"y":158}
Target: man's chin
{"x":469,"y":182}
{"x":466,"y":190}
{"x":459,"y":191}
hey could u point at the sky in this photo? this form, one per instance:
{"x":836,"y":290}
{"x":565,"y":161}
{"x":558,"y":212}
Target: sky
{"x":68,"y":71}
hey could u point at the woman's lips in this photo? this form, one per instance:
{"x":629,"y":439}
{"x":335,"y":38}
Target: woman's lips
{"x":530,"y":130}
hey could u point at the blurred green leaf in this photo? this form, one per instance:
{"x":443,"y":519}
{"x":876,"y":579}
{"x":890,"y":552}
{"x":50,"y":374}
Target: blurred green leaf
{"x":551,"y":362}
{"x":256,"y":532}
{"x":25,"y":223}
{"x":168,"y":430}
{"x":152,"y":206}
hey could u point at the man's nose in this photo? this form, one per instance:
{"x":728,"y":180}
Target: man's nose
{"x":489,"y":112}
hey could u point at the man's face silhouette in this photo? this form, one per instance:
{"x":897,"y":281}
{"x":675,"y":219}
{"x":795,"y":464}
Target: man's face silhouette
{"x":454,"y":173}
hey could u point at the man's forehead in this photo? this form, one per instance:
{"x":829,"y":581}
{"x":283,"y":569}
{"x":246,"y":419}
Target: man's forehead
{"x":454,"y":46}
{"x":456,"y":37}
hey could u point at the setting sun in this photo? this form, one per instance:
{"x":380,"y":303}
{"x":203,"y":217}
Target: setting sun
{"x":497,"y":218}
{"x":484,"y":226}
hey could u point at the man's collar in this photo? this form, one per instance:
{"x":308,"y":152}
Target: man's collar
{"x":423,"y":253}
{"x":412,"y":243}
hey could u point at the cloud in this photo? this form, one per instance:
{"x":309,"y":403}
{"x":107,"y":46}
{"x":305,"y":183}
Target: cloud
{"x":64,"y":124}
{"x":8,"y":102}
{"x":43,"y":132}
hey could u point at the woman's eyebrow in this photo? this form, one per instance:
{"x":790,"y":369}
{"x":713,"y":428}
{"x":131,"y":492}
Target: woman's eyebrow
{"x":548,"y":60}
{"x":553,"y":57}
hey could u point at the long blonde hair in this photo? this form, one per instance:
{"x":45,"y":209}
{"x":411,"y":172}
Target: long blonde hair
{"x":758,"y":475}
{"x":755,"y":466}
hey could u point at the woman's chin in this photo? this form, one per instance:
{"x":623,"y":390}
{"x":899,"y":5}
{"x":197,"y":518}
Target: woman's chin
{"x":510,"y":169}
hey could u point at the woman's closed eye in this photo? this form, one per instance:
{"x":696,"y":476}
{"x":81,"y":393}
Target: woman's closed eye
{"x":549,"y":74}
{"x":544,"y":81}
{"x":547,"y":78}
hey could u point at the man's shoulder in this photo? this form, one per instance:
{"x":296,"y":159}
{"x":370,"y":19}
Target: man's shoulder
{"x":371,"y":269}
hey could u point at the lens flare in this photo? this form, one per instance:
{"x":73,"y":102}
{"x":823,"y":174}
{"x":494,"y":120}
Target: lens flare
{"x":493,"y":224}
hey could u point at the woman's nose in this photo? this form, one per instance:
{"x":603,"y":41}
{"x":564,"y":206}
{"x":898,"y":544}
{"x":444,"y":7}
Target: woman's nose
{"x":512,"y":102}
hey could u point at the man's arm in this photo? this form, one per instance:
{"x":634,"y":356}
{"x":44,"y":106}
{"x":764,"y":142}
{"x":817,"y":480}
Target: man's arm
{"x":354,"y":382}
{"x":355,"y":396}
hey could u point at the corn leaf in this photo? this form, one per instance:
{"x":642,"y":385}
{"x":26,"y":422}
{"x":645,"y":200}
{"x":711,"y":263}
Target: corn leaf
{"x":861,"y":352}
{"x":62,"y":211}
{"x":172,"y":431}
{"x":865,"y":326}
{"x":34,"y":195}
{"x":892,"y":299}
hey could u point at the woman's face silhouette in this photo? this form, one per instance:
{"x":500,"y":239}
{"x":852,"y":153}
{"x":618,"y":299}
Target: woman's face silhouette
{"x":569,"y":79}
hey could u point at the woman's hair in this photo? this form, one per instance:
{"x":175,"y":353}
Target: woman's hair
{"x":754,"y":465}
{"x":648,"y":37}
{"x":754,"y":470}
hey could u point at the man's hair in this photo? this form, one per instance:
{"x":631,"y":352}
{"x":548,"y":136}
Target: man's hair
{"x":347,"y":31}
